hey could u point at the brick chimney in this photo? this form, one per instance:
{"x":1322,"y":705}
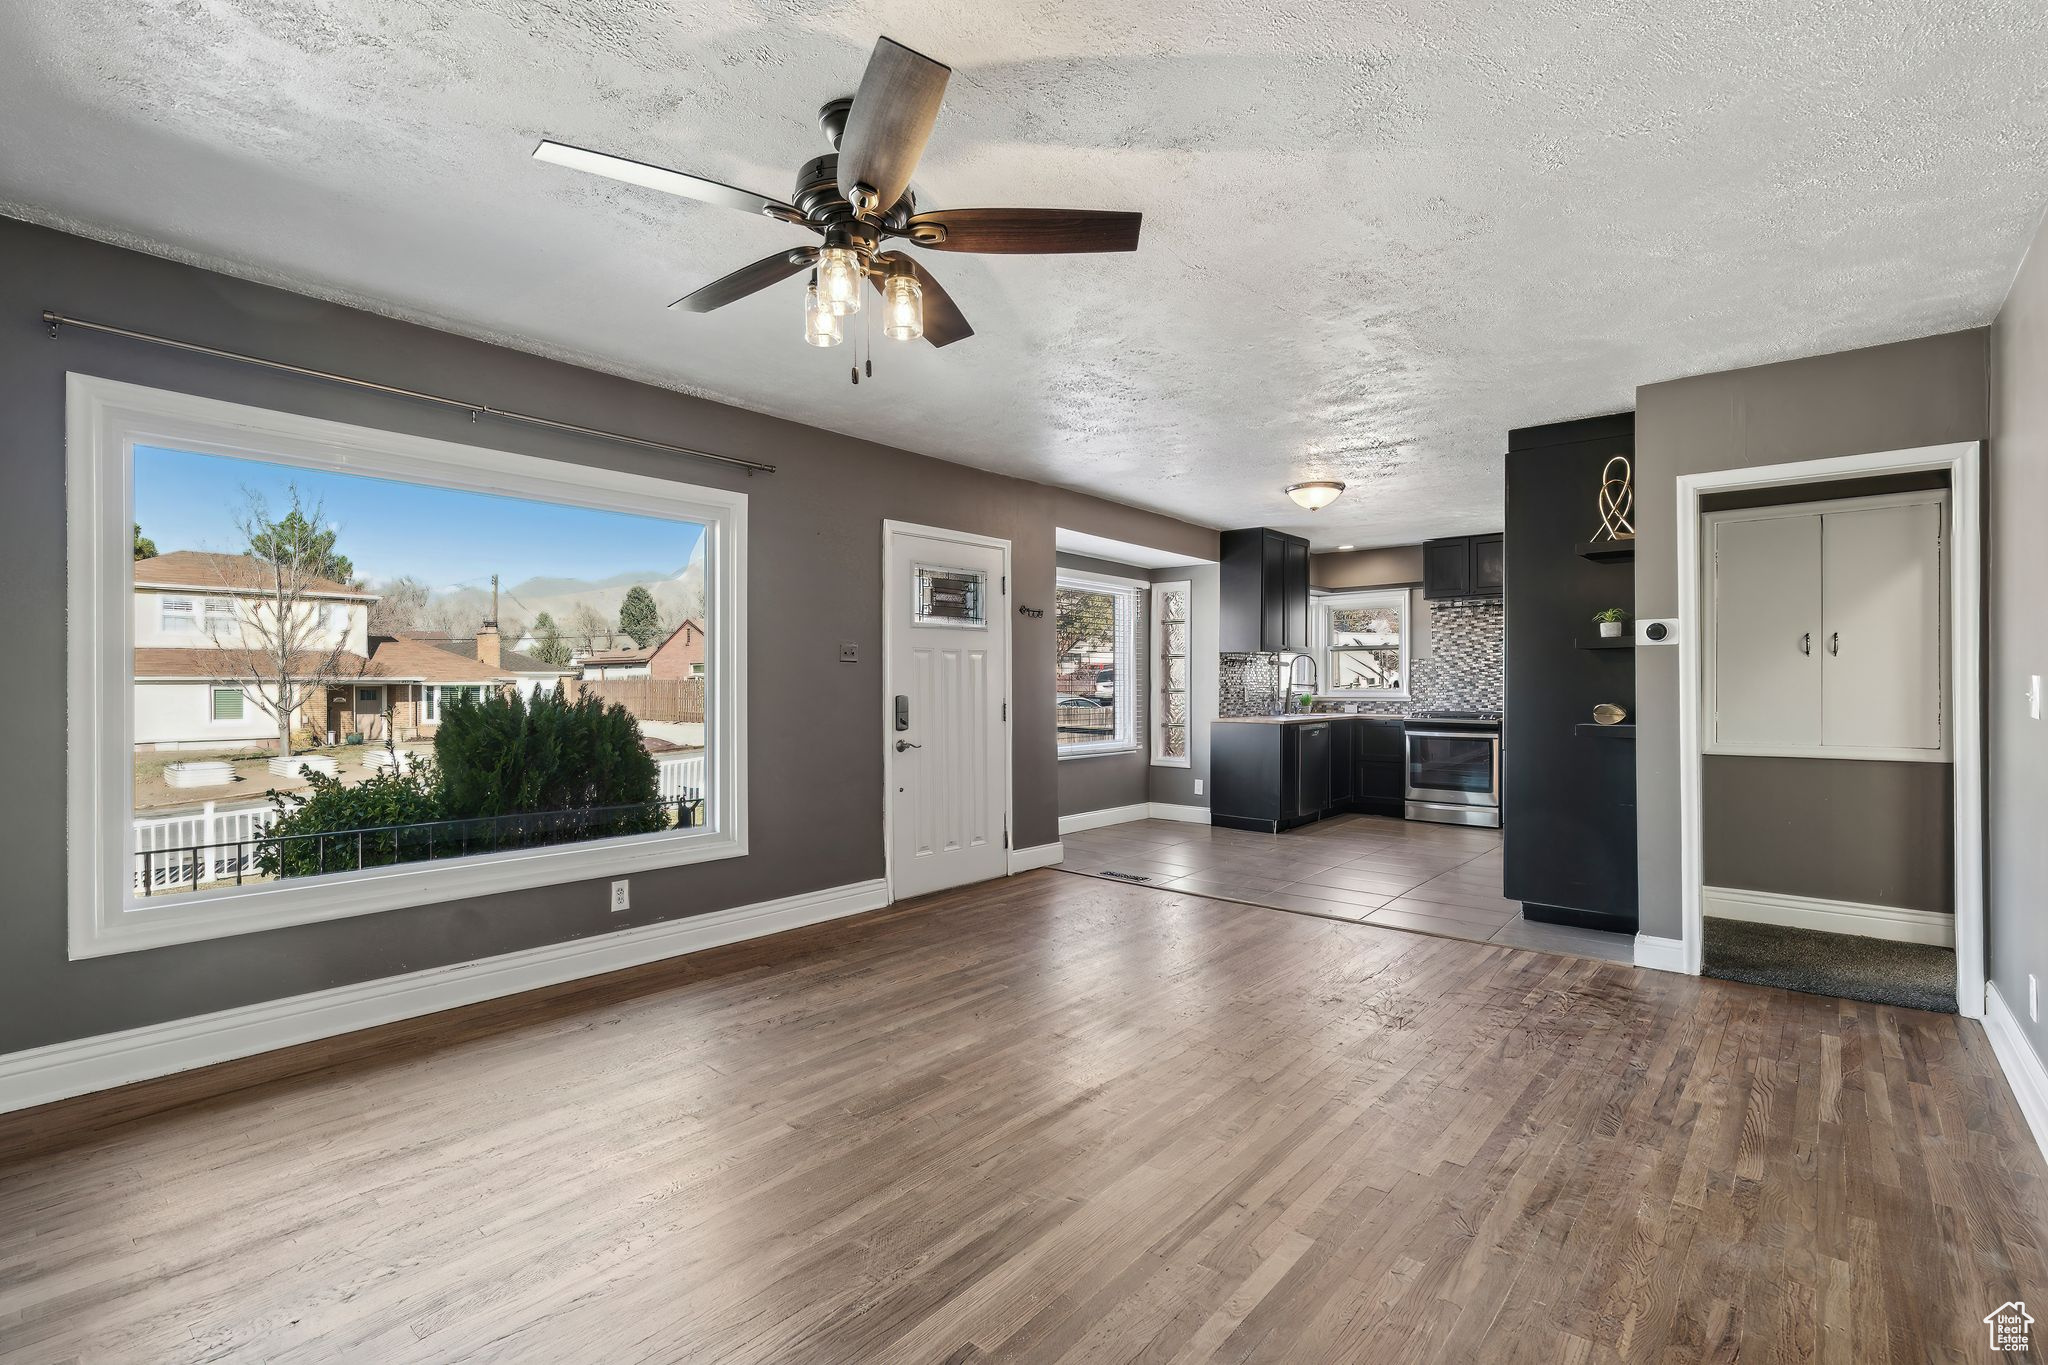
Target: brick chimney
{"x":489,"y":649}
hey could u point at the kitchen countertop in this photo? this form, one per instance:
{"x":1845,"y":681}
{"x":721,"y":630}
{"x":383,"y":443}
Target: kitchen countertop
{"x":1301,"y":718}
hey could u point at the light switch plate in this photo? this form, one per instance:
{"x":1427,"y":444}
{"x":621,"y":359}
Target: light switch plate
{"x":1198,"y":786}
{"x":2034,"y":697}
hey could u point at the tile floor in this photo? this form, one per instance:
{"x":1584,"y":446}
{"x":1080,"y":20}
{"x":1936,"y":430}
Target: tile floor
{"x":1433,"y":879}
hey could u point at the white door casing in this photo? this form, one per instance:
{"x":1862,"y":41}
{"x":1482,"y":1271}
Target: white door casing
{"x":948,"y":766}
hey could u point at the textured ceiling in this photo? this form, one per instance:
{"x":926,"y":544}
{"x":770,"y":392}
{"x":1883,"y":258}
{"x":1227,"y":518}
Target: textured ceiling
{"x":1375,"y":237}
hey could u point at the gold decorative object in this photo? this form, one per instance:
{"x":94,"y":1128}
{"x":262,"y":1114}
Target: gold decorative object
{"x":1607,"y":713}
{"x":1617,"y":501}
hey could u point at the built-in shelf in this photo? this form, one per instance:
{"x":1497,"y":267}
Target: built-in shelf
{"x":1606,"y":551}
{"x":1623,"y":731}
{"x":1609,"y":642}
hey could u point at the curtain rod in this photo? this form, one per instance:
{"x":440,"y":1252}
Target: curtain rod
{"x":57,"y":320}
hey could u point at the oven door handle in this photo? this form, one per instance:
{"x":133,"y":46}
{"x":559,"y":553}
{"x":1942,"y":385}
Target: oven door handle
{"x":1492,"y":736}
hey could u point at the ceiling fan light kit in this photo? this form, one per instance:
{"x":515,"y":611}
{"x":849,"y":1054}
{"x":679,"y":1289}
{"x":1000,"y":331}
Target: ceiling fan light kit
{"x":860,"y":195}
{"x":1316,"y":494}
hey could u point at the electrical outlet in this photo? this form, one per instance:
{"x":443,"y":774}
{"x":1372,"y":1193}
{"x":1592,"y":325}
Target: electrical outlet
{"x":621,"y":897}
{"x":2033,"y":999}
{"x":849,"y":652}
{"x":1198,"y":786}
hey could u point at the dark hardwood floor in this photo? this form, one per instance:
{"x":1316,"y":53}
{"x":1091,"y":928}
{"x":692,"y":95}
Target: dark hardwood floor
{"x":1059,"y":1118}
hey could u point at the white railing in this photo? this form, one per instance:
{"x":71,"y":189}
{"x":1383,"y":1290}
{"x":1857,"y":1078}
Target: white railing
{"x":196,"y":848}
{"x":210,"y":845}
{"x":681,"y":776}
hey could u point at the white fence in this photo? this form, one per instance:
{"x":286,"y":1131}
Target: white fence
{"x":209,"y":845}
{"x":194,"y":849}
{"x":682,"y":775}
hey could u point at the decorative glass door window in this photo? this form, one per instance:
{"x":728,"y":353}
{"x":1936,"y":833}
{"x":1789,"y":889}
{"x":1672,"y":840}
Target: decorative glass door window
{"x":951,"y":597}
{"x":1172,"y":604}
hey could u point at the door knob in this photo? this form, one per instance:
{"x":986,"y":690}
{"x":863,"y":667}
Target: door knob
{"x":903,"y":744}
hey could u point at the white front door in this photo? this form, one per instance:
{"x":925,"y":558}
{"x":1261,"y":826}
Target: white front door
{"x":946,"y":685}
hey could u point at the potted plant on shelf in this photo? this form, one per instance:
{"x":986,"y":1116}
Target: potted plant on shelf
{"x":1611,"y":621}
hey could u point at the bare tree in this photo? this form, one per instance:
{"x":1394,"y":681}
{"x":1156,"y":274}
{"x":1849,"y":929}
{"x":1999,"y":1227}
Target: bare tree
{"x":285,"y":640}
{"x":589,"y":626}
{"x":401,"y":607}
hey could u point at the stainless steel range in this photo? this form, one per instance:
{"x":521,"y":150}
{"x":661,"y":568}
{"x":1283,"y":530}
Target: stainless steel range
{"x":1454,"y":767}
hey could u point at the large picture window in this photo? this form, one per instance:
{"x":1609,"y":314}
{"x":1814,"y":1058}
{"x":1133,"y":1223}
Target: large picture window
{"x":1364,"y":636}
{"x":343,"y":681}
{"x":1095,"y":666}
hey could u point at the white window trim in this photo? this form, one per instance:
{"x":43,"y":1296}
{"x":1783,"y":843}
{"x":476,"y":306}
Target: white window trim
{"x":106,"y":420}
{"x":1157,"y":659}
{"x":1325,"y":651}
{"x":1128,"y":592}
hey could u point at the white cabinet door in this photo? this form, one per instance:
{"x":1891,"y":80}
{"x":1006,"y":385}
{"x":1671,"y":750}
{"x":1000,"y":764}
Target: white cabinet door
{"x":1765,"y":645}
{"x":1883,"y":658}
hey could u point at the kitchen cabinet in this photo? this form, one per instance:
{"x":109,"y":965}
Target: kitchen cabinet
{"x":1271,"y":775}
{"x":1464,"y":566}
{"x":1263,"y":593}
{"x":1825,"y":629}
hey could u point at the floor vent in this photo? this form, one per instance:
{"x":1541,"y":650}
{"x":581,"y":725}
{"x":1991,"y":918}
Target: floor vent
{"x":1127,"y":876}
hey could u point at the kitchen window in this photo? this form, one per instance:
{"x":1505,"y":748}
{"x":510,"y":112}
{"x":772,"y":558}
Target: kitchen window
{"x":1095,"y":666}
{"x":1364,"y":640}
{"x":1172,"y":619}
{"x":150,"y":866}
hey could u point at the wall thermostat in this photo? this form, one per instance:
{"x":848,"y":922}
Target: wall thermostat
{"x":1663,"y":632}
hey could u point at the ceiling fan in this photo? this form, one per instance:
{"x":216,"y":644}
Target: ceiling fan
{"x":857,"y":198}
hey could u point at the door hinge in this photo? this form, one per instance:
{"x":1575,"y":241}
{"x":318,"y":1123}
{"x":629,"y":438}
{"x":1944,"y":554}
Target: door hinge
{"x":1006,"y":713}
{"x":1005,"y":581}
{"x":1006,"y":834}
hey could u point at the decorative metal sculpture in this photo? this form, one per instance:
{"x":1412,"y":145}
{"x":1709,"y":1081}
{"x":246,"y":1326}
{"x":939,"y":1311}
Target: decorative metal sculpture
{"x":1617,"y":501}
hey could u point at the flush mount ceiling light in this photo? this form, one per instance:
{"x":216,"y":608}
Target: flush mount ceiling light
{"x":858,"y":199}
{"x":1316,"y":494}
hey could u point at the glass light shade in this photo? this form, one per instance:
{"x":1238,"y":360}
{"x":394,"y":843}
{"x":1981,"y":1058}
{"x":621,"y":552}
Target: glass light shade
{"x":1315,"y":495}
{"x":821,"y":324}
{"x":840,"y":279}
{"x":902,"y":308}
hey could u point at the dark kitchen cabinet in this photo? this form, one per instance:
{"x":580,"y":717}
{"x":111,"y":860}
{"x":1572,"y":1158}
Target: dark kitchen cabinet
{"x":1270,"y":777}
{"x":1464,"y":566}
{"x":1263,"y":592}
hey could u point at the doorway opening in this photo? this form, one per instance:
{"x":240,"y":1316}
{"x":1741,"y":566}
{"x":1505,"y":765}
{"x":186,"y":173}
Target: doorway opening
{"x":1830,"y":750}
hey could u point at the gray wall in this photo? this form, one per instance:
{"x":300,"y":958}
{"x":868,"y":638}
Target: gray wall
{"x":1105,"y":781}
{"x":1386,"y":566}
{"x":1914,"y":393}
{"x":2017,"y":781}
{"x":1176,"y":786}
{"x":1803,"y":827}
{"x":815,"y":555}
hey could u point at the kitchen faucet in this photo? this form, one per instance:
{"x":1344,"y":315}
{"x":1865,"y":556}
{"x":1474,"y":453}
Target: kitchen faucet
{"x":1293,"y":671}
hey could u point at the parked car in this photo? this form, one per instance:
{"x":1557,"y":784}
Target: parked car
{"x":1105,"y":684}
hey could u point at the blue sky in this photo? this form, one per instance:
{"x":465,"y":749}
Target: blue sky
{"x":441,"y":536}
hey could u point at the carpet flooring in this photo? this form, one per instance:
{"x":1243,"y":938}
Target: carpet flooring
{"x":1880,"y":971}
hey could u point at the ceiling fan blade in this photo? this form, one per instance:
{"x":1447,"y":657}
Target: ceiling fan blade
{"x":747,"y":279}
{"x":663,"y":179}
{"x":892,"y":117}
{"x":944,"y":323}
{"x":1025,"y":232}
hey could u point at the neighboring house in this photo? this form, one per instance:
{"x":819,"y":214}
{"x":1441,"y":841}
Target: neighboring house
{"x":531,"y":675}
{"x":680,"y":655}
{"x":196,"y":662}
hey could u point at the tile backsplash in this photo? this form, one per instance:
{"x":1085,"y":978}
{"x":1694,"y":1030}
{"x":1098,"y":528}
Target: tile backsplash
{"x":1466,"y":669}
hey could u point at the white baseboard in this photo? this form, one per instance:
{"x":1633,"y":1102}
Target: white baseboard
{"x":1038,"y":855}
{"x":62,"y":1070}
{"x":1829,"y":916}
{"x":2021,"y":1064}
{"x":1123,"y":815}
{"x":1660,"y":954}
{"x":1112,"y":815}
